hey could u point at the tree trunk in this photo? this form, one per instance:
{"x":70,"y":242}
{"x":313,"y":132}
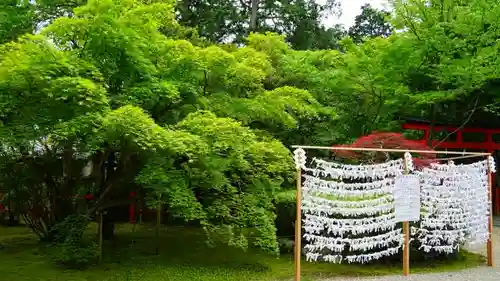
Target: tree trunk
{"x":13,"y":219}
{"x":432,"y":124}
{"x":64,"y":200}
{"x":100,"y":219}
{"x":158,"y":224}
{"x":108,"y":227}
{"x":253,"y":16}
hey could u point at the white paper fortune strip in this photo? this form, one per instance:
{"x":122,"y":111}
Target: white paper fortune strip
{"x":320,"y":206}
{"x":350,"y":208}
{"x":316,"y":185}
{"x":341,"y":171}
{"x":356,"y":244}
{"x":456,"y":206}
{"x":342,"y":227}
{"x":374,"y":256}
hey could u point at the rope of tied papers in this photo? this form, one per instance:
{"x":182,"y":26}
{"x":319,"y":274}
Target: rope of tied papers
{"x":455,"y":205}
{"x":349,"y":210}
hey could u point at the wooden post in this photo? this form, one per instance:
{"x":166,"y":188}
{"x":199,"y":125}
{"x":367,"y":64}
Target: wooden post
{"x":158,"y":223}
{"x":100,"y":236}
{"x":131,"y":208}
{"x":406,"y":233}
{"x":406,"y":249}
{"x":53,"y":205}
{"x":489,"y":245}
{"x":298,"y":225}
{"x":140,"y":202}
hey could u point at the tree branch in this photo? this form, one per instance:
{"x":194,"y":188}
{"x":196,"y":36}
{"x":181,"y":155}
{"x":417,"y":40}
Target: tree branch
{"x":110,"y":184}
{"x":410,"y":24}
{"x":462,"y":125}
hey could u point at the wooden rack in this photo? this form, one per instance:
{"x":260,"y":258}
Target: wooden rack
{"x":406,"y":227}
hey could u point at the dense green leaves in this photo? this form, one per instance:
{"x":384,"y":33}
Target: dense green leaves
{"x":105,"y":87}
{"x":300,"y":21}
{"x":116,"y":96}
{"x":456,"y":64}
{"x":370,"y":23}
{"x":229,"y":188}
{"x":41,"y":86}
{"x":15,"y":20}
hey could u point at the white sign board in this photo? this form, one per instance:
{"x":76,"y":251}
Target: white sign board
{"x":407,"y":198}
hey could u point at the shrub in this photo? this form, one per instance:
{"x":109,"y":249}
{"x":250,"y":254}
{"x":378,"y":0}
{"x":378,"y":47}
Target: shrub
{"x":71,"y":250}
{"x":76,"y":254}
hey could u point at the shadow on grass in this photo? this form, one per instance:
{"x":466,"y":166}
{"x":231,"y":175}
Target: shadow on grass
{"x":179,"y":246}
{"x":183,"y":255}
{"x":186,"y":247}
{"x":17,"y":240}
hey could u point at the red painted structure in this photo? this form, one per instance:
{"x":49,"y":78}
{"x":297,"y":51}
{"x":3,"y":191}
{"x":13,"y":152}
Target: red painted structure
{"x":131,"y":208}
{"x":489,"y":145}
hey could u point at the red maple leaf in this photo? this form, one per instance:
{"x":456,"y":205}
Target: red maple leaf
{"x":388,"y":141}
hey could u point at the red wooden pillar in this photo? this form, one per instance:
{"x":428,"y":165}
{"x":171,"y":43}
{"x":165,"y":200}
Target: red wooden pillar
{"x":460,"y":137}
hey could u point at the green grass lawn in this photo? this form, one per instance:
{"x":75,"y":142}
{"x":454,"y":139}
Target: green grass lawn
{"x":183,"y":256}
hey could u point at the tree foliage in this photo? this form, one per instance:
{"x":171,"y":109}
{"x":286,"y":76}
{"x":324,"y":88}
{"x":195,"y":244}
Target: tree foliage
{"x":300,"y":21}
{"x":456,"y":67}
{"x":105,"y":87}
{"x":370,"y":23}
{"x":15,"y":20}
{"x":117,"y":96}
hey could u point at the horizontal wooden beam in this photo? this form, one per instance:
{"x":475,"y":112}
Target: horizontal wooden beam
{"x":416,"y":126}
{"x":488,"y":144}
{"x":389,"y":150}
